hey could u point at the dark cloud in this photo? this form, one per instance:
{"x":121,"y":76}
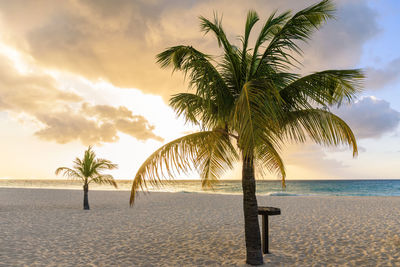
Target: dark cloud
{"x":370,"y":117}
{"x":59,"y":112}
{"x":118,"y":40}
{"x":378,"y":78}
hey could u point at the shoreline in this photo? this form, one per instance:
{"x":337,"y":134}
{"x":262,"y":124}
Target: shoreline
{"x":264,"y":188}
{"x":270,"y":194}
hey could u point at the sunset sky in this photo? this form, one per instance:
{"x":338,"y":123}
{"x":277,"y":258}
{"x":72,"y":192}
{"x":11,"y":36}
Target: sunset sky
{"x":78,"y":73}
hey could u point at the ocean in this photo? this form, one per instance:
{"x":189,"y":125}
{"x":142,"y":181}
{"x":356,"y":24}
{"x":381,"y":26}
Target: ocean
{"x":264,"y":187}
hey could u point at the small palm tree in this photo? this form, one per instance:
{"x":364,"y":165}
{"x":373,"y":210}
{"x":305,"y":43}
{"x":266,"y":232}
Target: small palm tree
{"x":88,"y":170}
{"x":248,"y":104}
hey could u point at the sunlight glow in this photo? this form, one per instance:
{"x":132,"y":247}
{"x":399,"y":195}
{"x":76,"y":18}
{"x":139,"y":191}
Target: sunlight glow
{"x":18,"y":60}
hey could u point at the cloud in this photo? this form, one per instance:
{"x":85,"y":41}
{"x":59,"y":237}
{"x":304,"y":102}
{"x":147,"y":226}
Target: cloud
{"x":123,"y":120}
{"x":312,"y":161}
{"x":370,"y":117}
{"x":117,"y":40}
{"x":96,"y":39}
{"x":107,"y":112}
{"x":379,"y":78}
{"x":94,"y":124}
{"x":60,"y":113}
{"x":310,"y":155}
{"x":64,"y":127}
{"x":339,"y":43}
{"x":30,"y":93}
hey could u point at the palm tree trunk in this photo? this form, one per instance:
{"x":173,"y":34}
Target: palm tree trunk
{"x":85,"y":197}
{"x":250,"y":208}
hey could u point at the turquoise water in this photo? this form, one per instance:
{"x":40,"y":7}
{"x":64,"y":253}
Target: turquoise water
{"x":273,"y":188}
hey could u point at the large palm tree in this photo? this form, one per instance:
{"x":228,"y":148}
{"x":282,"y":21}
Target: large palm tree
{"x":249,"y":97}
{"x":89,"y":170}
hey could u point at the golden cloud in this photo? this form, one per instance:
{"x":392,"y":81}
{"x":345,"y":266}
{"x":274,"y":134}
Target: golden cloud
{"x":117,"y":40}
{"x":30,"y":93}
{"x":63,"y":118}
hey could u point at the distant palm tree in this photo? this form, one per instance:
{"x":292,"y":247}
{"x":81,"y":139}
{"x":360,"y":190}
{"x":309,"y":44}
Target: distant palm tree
{"x":249,"y":96}
{"x":88,"y":170}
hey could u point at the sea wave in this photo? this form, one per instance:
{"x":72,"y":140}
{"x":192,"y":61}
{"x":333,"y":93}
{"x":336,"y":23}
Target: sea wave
{"x":282,"y":194}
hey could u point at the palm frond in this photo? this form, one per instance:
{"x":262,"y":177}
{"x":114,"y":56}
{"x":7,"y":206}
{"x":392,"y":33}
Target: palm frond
{"x":202,"y":75}
{"x":104,"y":164}
{"x":322,"y":126}
{"x":325,"y":88}
{"x":298,"y":28}
{"x":215,"y":157}
{"x":256,"y":112}
{"x":86,"y":164}
{"x":252,"y":18}
{"x":271,"y":27}
{"x":69,"y":173}
{"x":268,"y":157}
{"x":208,"y":151}
{"x":231,"y":53}
{"x":104,"y":179}
{"x":195,"y":109}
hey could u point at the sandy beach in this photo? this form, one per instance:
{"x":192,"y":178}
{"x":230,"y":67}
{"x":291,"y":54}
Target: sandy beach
{"x":47,"y":227}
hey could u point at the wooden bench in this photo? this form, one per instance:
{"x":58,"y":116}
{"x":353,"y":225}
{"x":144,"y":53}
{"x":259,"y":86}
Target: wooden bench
{"x":265,"y":212}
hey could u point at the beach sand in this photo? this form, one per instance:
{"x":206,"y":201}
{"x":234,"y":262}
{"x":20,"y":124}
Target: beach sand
{"x":47,"y":227}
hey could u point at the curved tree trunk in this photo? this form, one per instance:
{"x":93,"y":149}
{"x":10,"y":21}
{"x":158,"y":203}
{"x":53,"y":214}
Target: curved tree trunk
{"x":251,"y":227}
{"x":85,"y":197}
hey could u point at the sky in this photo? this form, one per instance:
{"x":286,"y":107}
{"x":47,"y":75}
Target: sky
{"x":78,"y":73}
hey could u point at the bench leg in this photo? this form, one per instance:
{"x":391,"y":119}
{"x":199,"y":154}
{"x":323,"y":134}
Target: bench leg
{"x":265,"y":241}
